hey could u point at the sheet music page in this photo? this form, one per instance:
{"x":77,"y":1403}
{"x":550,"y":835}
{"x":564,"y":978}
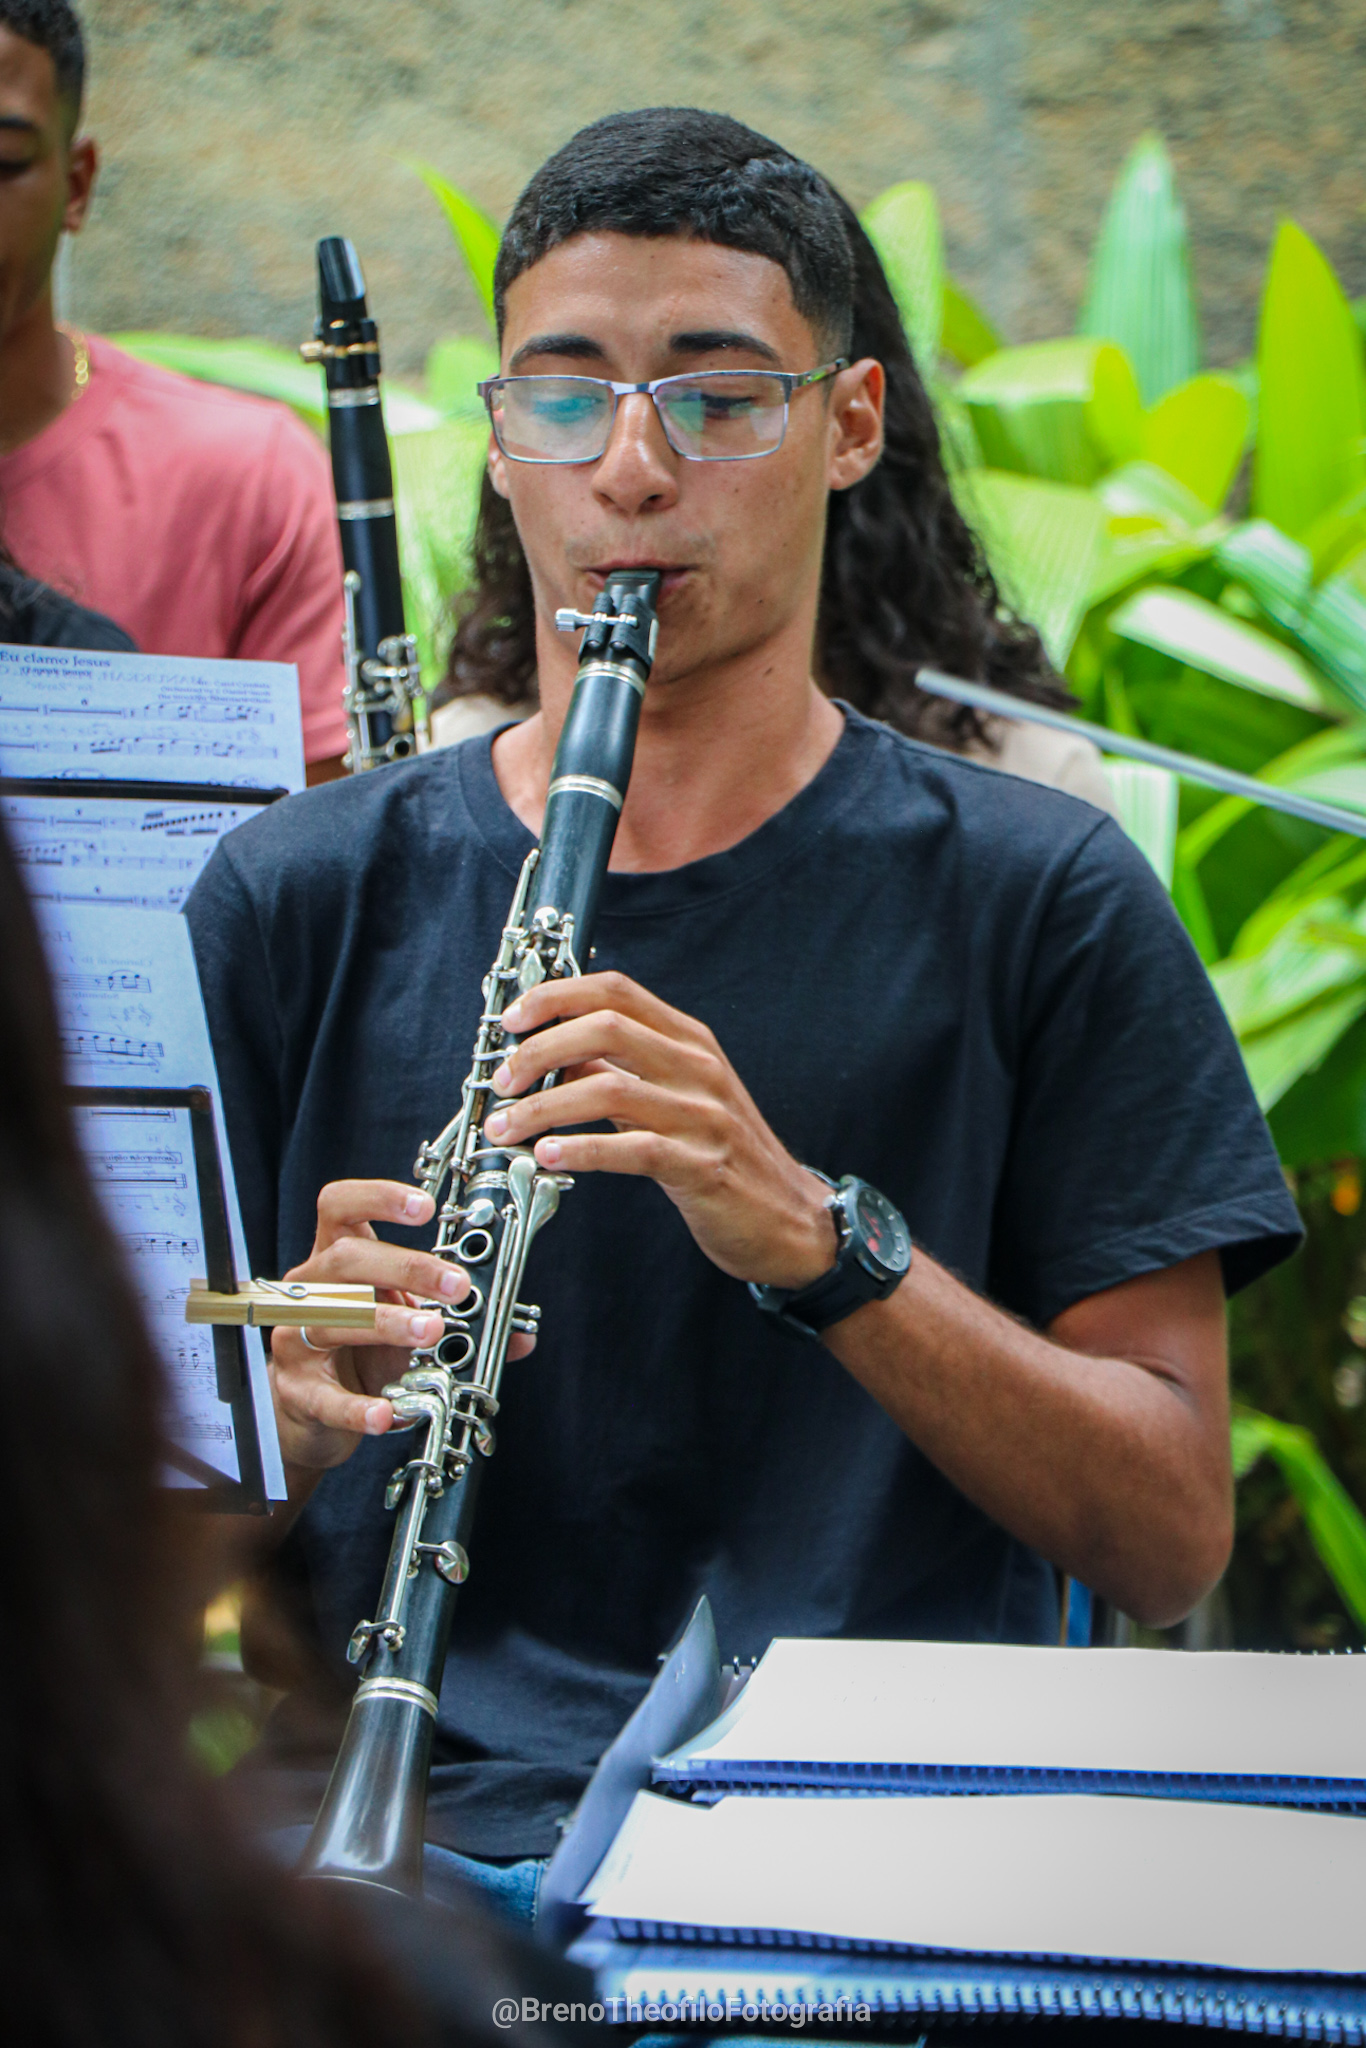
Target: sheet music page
{"x":1245,"y":1888}
{"x":149,"y":718}
{"x":142,"y":1161}
{"x":132,"y":1016}
{"x":99,"y":848}
{"x":1012,"y":1707}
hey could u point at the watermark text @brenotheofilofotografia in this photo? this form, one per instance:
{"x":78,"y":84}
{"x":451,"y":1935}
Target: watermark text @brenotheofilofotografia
{"x":511,"y":2012}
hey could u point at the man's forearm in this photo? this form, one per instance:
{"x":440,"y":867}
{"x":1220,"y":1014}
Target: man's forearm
{"x":1113,"y":1463}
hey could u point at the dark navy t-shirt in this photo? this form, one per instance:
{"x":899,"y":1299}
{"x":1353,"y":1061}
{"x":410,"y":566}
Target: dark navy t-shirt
{"x":965,"y":988}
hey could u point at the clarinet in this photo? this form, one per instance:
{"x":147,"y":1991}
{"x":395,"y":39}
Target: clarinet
{"x":383,"y":697}
{"x":491,"y":1202}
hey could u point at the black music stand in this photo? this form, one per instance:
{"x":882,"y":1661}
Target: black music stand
{"x":215,"y":1491}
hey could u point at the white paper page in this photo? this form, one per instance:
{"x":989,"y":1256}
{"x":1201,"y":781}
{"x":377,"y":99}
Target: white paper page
{"x":97,"y":848}
{"x":1132,"y":1880}
{"x":132,"y":1016}
{"x":142,"y":1161}
{"x":149,"y":718}
{"x":1007,"y":1706}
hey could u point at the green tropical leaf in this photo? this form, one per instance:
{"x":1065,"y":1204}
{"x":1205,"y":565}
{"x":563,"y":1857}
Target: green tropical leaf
{"x":1311,"y":408}
{"x":243,"y":364}
{"x":1156,"y":495}
{"x":1337,"y":865}
{"x":1157,"y":527}
{"x":1062,"y":410}
{"x":268,"y":371}
{"x":1041,"y":540}
{"x":902,"y":224}
{"x":1201,"y":714}
{"x":1293,"y":1001}
{"x":1127,"y":557}
{"x":453,"y":368}
{"x":1323,"y":1117}
{"x":1198,"y":433}
{"x":1303,"y":766}
{"x":966,"y":336}
{"x":1147,"y":800}
{"x":1336,"y":1526}
{"x":1329,"y":623}
{"x":1191,"y":906}
{"x":1139,"y":293}
{"x":1191,"y":630}
{"x":475,"y":233}
{"x":437,"y":478}
{"x":1333,"y":630}
{"x":1337,"y":536}
{"x":1277,"y":570}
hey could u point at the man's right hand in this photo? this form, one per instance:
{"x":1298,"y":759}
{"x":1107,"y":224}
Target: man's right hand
{"x":327,"y":1399}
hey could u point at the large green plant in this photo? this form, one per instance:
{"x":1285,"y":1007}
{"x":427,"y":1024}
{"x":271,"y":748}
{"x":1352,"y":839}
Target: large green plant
{"x":1243,"y":638}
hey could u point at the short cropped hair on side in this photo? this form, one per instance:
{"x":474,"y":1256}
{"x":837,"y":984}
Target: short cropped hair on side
{"x":681,"y":171}
{"x":54,"y":26}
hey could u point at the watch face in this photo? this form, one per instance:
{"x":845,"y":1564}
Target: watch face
{"x":883,"y":1229}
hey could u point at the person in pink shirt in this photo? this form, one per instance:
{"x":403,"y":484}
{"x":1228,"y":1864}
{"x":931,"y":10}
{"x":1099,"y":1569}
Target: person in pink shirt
{"x":200,"y":520}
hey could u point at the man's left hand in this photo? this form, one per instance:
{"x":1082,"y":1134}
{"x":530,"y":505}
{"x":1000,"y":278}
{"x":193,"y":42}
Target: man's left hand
{"x":680,"y":1116}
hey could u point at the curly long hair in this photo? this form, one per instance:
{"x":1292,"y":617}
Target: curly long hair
{"x":904,"y":581}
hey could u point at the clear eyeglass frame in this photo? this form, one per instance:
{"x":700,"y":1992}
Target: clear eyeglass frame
{"x":783,"y":382}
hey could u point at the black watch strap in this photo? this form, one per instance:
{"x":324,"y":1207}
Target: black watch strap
{"x":861,"y":1273}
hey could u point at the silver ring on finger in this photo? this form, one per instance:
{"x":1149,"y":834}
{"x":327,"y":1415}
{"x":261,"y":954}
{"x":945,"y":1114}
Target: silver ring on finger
{"x":323,"y":1350}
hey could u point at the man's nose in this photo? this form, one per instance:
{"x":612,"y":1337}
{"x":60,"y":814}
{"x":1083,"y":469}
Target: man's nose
{"x":638,"y":467}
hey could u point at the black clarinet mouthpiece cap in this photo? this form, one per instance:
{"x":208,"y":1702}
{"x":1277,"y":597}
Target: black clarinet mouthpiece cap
{"x":341,"y":282}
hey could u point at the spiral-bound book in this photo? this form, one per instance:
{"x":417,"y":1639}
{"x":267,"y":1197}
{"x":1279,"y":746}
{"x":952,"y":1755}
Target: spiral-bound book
{"x":749,"y":1886}
{"x":1058,"y":1905}
{"x":939,"y":1718}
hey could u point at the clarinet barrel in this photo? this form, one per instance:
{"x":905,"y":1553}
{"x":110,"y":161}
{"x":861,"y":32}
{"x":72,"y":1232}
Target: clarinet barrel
{"x":382,"y":681}
{"x":490,"y":1205}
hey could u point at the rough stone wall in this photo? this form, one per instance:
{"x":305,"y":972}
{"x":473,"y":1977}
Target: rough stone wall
{"x":237,"y":131}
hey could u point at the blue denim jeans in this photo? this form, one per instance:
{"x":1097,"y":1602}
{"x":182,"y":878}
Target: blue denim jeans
{"x":509,"y":1889}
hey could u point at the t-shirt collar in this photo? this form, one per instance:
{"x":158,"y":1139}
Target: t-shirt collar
{"x":84,"y":415}
{"x":789,"y":831}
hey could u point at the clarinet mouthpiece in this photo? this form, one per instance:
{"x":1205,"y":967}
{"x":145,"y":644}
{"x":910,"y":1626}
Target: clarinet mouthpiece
{"x":341,"y":282}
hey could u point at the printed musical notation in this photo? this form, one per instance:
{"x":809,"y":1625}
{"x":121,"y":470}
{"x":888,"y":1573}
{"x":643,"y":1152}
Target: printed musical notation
{"x":131,"y":1015}
{"x":149,"y":718}
{"x":146,"y":1054}
{"x":112,"y":848}
{"x":142,"y":1161}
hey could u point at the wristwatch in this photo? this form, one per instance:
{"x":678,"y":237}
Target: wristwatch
{"x":874,"y":1257}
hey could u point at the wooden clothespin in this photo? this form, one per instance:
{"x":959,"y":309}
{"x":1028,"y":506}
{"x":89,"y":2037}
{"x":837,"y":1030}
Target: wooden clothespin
{"x":280,"y":1304}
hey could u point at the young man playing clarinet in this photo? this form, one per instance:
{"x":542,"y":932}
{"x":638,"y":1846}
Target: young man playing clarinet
{"x":825,"y":951}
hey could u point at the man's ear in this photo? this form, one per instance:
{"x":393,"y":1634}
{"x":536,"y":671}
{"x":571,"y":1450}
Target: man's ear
{"x":82,"y":163}
{"x":498,"y":469}
{"x":856,"y":422}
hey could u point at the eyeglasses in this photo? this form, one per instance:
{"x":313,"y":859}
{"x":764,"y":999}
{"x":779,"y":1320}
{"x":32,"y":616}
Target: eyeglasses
{"x":713,"y":416}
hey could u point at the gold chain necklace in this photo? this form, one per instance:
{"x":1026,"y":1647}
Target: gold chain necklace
{"x":80,"y":375}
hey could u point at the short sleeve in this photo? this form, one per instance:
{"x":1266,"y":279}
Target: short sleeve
{"x":291,"y":606}
{"x":1136,"y":1141}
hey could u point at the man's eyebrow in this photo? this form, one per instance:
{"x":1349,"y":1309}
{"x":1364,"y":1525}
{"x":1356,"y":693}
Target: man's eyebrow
{"x":705,"y":341}
{"x":692,"y":341}
{"x":17,"y":121}
{"x":581,"y":345}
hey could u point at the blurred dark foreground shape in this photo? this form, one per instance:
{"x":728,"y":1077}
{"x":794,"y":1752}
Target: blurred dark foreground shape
{"x":136,"y":1910}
